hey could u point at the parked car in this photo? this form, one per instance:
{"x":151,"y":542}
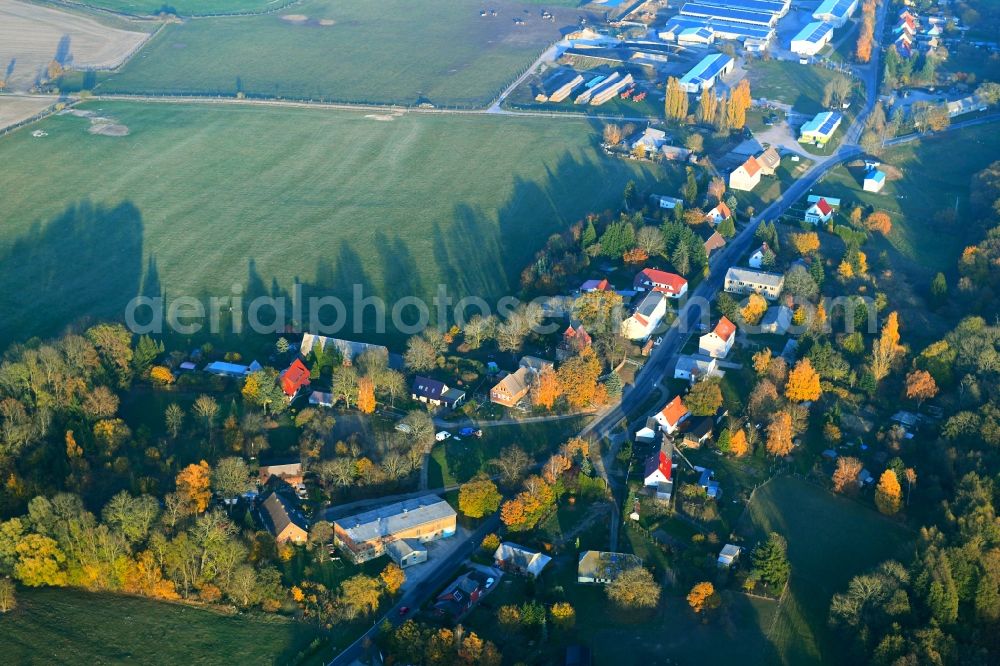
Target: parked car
{"x":470,"y":432}
{"x":489,"y":583}
{"x":404,"y":610}
{"x":443,"y":435}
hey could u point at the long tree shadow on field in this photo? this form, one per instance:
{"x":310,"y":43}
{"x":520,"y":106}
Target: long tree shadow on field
{"x":84,"y":264}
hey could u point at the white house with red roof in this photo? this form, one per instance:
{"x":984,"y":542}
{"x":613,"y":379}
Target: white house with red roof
{"x":820,"y":212}
{"x":658,"y":473}
{"x":668,"y":284}
{"x":718,"y":342}
{"x":746,"y":176}
{"x":718,"y":214}
{"x":671,"y":416}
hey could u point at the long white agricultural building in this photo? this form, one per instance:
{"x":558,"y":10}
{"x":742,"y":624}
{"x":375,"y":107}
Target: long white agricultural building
{"x":812,"y":38}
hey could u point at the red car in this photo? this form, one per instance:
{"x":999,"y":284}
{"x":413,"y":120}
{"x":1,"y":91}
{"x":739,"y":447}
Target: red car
{"x":404,"y":610}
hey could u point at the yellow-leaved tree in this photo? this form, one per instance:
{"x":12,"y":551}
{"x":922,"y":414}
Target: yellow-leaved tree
{"x":366,"y":395}
{"x":754,"y":309}
{"x":888,"y":493}
{"x":803,"y":382}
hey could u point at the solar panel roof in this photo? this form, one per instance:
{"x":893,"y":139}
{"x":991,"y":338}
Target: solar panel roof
{"x":738,"y":15}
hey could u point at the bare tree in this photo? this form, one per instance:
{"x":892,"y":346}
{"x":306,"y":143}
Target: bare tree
{"x":512,"y":464}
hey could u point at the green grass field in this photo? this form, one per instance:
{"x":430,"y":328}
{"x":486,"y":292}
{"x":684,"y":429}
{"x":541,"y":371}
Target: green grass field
{"x":458,"y":461}
{"x":789,"y":82}
{"x":393,"y":51}
{"x":925,"y":190}
{"x":206,"y":197}
{"x":830,"y":539}
{"x":61,"y":626}
{"x":186,"y":7}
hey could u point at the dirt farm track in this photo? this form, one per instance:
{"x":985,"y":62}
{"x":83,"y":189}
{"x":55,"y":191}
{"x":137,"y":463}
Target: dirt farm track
{"x":32,"y":36}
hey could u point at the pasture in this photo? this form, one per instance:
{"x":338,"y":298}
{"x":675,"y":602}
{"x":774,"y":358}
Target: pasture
{"x":789,"y":82}
{"x":32,"y":36}
{"x":440,"y":52}
{"x":62,"y":626}
{"x":830,"y":540}
{"x":199,"y":198}
{"x":188,"y":7}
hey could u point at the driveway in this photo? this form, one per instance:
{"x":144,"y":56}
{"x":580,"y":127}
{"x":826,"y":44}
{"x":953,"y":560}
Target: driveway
{"x":438,"y":552}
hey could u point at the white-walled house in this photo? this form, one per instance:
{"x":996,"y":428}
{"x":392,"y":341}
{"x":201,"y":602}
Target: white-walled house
{"x":671,"y":416}
{"x":695,"y":367}
{"x":820,"y":212}
{"x":646,"y":318}
{"x":669,"y":284}
{"x":746,"y":176}
{"x":756,"y":259}
{"x":717,"y":342}
{"x":718,"y":214}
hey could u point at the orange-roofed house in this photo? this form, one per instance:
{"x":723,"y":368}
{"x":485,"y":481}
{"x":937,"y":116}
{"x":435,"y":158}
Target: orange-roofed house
{"x":746,"y":176}
{"x":294,"y":377}
{"x":717,"y":342}
{"x":719,"y":214}
{"x":670,"y":285}
{"x":671,"y":416}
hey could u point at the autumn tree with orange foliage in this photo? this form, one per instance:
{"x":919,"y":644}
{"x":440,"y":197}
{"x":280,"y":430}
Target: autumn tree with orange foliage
{"x":555,"y":466}
{"x":703,"y":597}
{"x":194,"y":486}
{"x":578,"y":379}
{"x":738,"y":104}
{"x":738,"y":445}
{"x":546,"y":390}
{"x":779,"y":435}
{"x":366,"y":395}
{"x":845,"y":477}
{"x":920,"y":386}
{"x":635,"y":256}
{"x":524,"y":511}
{"x":803,"y":383}
{"x":879,"y":221}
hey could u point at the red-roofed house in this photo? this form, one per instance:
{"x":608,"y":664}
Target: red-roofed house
{"x":658,"y":467}
{"x":294,"y":377}
{"x":596,"y":285}
{"x":574,"y":340}
{"x":671,"y":415}
{"x":718,"y":342}
{"x":719,"y":214}
{"x":668,"y":284}
{"x":746,"y":176}
{"x":658,"y":472}
{"x":819,"y":212}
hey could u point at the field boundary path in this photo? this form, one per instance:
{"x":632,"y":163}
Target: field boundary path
{"x":352,"y":106}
